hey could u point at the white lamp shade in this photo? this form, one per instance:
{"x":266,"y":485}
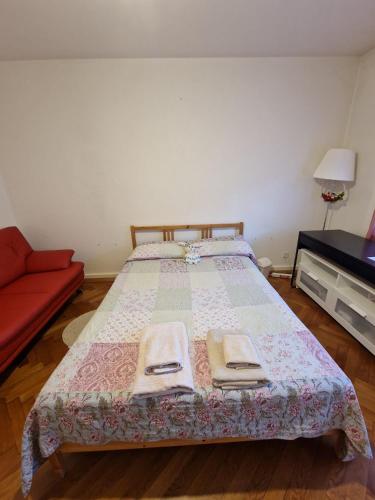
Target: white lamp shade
{"x":337,"y":165}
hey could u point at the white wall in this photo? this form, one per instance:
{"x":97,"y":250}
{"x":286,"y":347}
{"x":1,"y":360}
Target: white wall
{"x":6,"y":212}
{"x":89,"y":147}
{"x":356,"y":215}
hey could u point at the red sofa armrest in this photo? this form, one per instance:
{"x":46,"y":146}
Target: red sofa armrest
{"x":48,"y":260}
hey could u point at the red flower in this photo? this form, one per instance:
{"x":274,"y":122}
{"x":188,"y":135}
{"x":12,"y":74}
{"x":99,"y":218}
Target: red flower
{"x":119,"y":406}
{"x":294,"y":409}
{"x":350,"y":395}
{"x":95,"y":436}
{"x":111,"y":421}
{"x":355,"y":433}
{"x":332,"y":197}
{"x":166,"y":404}
{"x":157,"y":419}
{"x":66,"y":423}
{"x":203,"y":416}
{"x":250,"y":413}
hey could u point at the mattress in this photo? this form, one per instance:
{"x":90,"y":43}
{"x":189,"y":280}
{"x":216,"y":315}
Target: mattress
{"x":87,"y":399}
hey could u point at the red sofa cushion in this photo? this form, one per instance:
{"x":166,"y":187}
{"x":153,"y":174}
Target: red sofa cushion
{"x":48,"y":260}
{"x":33,"y":286}
{"x":51,"y":282}
{"x":18,"y":311}
{"x":13,"y":252}
{"x":26,"y":299}
{"x":9,"y":352}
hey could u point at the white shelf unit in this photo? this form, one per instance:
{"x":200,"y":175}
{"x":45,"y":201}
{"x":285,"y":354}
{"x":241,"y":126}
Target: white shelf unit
{"x":346,"y":298}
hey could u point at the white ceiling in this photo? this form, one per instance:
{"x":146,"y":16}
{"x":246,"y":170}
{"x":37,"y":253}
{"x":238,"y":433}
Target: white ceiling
{"x":49,"y":29}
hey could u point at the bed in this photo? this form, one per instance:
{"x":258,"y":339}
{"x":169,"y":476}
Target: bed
{"x":86,"y":404}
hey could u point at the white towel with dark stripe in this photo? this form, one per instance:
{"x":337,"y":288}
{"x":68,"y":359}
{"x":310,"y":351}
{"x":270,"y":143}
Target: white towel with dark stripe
{"x":228,"y":378}
{"x":164,"y":345}
{"x":239,"y":352}
{"x":164,"y":366}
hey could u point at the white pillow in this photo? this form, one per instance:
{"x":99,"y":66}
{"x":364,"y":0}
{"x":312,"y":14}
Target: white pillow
{"x":205,"y":248}
{"x":225,"y":247}
{"x":162,"y":250}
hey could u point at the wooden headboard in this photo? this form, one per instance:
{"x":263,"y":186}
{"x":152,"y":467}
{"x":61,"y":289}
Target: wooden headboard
{"x":168,"y":231}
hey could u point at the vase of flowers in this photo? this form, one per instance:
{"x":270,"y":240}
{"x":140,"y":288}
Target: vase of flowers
{"x":331,"y":197}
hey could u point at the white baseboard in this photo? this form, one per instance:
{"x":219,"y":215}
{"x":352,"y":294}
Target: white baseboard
{"x":282,"y":268}
{"x":95,"y":276}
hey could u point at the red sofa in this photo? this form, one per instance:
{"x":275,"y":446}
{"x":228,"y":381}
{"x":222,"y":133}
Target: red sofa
{"x":33,"y":286}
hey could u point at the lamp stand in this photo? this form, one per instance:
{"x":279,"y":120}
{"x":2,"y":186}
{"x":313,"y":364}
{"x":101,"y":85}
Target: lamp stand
{"x":330,"y":197}
{"x":326,"y":216}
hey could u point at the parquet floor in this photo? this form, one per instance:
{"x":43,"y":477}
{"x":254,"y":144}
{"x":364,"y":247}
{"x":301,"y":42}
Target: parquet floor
{"x":271,"y":470}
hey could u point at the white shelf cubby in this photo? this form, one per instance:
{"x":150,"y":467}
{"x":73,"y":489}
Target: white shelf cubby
{"x":346,"y":298}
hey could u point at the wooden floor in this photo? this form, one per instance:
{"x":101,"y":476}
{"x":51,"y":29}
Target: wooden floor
{"x":270,"y":469}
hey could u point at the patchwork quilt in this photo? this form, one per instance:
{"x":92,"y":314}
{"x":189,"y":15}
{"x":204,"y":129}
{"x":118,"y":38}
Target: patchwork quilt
{"x":87,"y":399}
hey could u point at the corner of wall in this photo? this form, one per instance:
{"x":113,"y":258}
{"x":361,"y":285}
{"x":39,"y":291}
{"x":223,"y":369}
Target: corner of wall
{"x":7,"y":217}
{"x":345,"y":140}
{"x":361,"y":61}
{"x":355,"y":214}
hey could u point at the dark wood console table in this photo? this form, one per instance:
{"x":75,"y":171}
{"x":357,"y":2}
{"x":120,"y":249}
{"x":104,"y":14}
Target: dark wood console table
{"x":348,"y":250}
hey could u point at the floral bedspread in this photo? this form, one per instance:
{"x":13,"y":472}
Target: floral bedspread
{"x":87,"y":398}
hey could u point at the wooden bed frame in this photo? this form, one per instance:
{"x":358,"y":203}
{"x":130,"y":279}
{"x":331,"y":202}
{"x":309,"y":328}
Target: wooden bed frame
{"x":168,"y":231}
{"x":168,"y":235}
{"x":57,"y":464}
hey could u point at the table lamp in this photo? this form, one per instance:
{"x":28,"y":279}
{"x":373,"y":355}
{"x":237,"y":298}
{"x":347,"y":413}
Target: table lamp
{"x":337,"y":165}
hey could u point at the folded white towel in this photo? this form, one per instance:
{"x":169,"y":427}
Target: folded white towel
{"x":227,"y":378}
{"x":163,"y":349}
{"x":181,"y":381}
{"x":239,"y":352}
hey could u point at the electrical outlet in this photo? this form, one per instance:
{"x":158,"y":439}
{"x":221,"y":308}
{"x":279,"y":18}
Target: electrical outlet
{"x":286,"y":255}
